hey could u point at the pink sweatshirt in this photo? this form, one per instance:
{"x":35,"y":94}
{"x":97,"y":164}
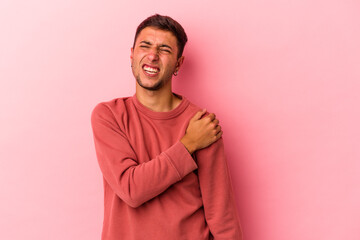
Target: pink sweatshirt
{"x":153,"y":188}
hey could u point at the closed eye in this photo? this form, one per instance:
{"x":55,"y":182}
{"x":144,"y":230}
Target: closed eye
{"x":165,"y":50}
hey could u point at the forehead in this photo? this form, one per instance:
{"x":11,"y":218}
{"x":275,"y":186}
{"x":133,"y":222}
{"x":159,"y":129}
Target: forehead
{"x":157,"y":36}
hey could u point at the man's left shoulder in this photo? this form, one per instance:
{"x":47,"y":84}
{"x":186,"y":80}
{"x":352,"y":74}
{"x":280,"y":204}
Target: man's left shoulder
{"x":192,"y":108}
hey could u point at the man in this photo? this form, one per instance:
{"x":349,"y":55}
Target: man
{"x":162,"y":158}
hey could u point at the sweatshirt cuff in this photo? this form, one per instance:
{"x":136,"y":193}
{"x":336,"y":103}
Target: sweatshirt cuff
{"x":181,"y":159}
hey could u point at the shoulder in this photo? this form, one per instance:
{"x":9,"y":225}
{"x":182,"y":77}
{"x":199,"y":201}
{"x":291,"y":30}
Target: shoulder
{"x":194,"y":108}
{"x":112,"y":110}
{"x":114,"y":106}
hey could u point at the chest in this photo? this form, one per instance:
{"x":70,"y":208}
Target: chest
{"x":150,"y":137}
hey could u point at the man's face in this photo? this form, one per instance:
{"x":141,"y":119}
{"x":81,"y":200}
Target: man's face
{"x":154,"y":58}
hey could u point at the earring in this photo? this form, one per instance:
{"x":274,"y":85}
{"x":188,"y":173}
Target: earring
{"x":176,"y":73}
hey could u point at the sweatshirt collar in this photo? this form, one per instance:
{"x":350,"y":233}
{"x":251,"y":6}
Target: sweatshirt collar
{"x":161,"y":115}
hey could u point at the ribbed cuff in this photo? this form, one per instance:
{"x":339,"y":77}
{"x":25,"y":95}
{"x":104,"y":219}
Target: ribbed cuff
{"x":181,"y":159}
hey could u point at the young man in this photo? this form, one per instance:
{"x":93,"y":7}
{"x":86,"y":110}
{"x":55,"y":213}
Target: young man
{"x":162,"y":158}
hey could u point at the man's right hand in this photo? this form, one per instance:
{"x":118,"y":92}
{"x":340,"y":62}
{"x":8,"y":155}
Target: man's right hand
{"x":201,"y":132}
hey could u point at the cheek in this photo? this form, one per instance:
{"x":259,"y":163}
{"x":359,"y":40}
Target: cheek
{"x":137,"y":55}
{"x":170,"y":62}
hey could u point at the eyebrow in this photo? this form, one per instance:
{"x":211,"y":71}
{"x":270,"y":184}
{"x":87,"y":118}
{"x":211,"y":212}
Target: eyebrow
{"x":162,"y":45}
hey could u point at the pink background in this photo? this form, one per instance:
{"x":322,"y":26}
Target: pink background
{"x":282,"y":77}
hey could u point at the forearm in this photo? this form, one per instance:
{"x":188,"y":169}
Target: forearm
{"x":136,"y":183}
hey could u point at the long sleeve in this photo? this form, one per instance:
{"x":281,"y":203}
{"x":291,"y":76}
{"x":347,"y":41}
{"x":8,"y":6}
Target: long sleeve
{"x":217,"y":193}
{"x":135,"y":183}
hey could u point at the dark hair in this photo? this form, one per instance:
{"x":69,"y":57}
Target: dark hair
{"x":165,"y":23}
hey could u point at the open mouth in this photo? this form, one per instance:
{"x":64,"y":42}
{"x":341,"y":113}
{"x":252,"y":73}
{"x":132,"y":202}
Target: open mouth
{"x":150,"y":70}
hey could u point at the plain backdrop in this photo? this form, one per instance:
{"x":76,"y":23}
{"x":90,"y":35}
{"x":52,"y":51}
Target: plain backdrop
{"x":282,"y":76}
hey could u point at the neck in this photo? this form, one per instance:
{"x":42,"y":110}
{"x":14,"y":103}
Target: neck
{"x":162,"y":100}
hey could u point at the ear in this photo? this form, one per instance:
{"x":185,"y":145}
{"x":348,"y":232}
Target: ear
{"x":132,"y":53}
{"x":179,"y":63}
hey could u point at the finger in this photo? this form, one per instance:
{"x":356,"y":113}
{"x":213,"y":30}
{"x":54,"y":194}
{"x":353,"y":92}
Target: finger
{"x":218,"y":129}
{"x":199,"y":114}
{"x":216,"y":122}
{"x":214,"y":125}
{"x":211,"y":116}
{"x":219,"y":135}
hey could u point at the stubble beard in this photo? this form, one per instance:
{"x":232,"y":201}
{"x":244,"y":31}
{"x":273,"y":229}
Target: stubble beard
{"x":155,"y":87}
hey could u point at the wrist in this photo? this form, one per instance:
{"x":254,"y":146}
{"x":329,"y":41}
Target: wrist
{"x":188,"y":145}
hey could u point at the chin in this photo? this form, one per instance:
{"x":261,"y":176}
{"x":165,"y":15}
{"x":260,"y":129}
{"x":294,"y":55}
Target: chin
{"x":151,"y":87}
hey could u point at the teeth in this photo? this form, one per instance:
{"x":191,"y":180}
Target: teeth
{"x":149,"y":69}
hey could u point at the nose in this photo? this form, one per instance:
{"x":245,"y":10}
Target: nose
{"x":153,"y":55}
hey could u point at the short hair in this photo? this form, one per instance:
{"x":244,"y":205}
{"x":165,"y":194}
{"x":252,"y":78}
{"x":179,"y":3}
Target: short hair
{"x":168,"y":24}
